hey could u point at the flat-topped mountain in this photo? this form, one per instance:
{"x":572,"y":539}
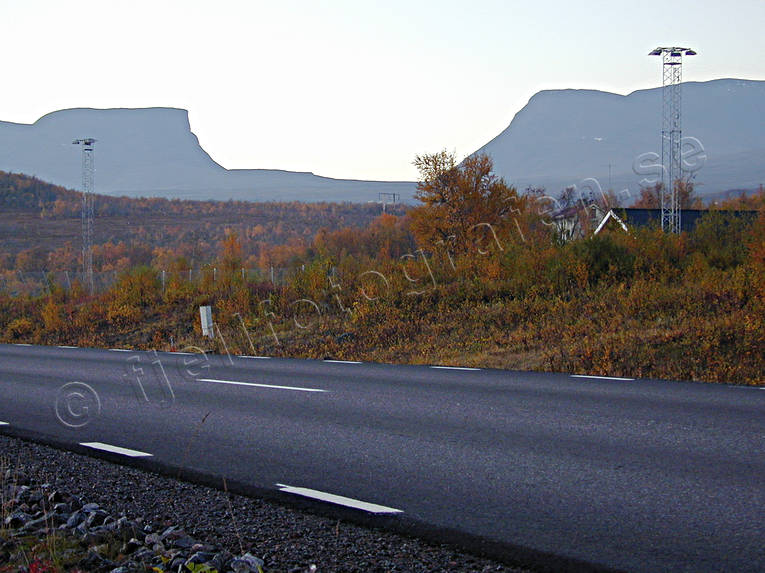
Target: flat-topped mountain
{"x":153,"y":152}
{"x":563,"y":136}
{"x":558,"y":139}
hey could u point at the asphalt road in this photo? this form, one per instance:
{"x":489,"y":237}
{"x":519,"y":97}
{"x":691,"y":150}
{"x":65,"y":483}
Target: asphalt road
{"x":638,"y":475}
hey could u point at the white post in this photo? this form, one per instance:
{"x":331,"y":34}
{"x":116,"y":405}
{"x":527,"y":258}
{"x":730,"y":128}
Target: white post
{"x":205,"y":314}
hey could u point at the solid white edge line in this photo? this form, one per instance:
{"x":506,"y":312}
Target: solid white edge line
{"x":115,"y":449}
{"x":337,"y":499}
{"x":67,"y":347}
{"x":601,"y":377}
{"x":255,"y":357}
{"x":119,"y":350}
{"x":453,"y":368}
{"x":4,"y":424}
{"x":21,"y":344}
{"x":256,"y":385}
{"x":343,"y":361}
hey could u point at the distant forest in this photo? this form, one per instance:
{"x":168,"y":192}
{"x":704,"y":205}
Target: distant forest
{"x":40,"y":228}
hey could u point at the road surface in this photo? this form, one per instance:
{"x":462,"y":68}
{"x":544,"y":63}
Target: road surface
{"x":550,"y":469}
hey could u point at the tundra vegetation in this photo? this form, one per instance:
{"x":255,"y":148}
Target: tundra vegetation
{"x":475,"y":275}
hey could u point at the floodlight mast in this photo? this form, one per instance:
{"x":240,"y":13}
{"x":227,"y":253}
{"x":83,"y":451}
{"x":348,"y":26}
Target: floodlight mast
{"x":88,"y":170}
{"x":671,"y":134}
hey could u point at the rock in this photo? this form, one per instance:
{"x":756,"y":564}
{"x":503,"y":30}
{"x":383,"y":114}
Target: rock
{"x":62,"y":508}
{"x":247,"y":563}
{"x":75,"y":502}
{"x":93,"y":561}
{"x":152,"y":539}
{"x":169,"y":531}
{"x":17,"y":519}
{"x":143,"y":554}
{"x":130,"y":546}
{"x":158,"y":547}
{"x":221,"y":561}
{"x":96,"y":517}
{"x":90,"y":507}
{"x":184,"y":542}
{"x":200,"y":557}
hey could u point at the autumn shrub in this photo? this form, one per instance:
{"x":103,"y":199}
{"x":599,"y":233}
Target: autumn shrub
{"x":19,"y":328}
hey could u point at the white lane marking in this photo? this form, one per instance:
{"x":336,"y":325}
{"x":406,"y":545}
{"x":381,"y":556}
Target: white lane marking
{"x":67,"y":347}
{"x":600,"y":377}
{"x":343,"y":361}
{"x":236,"y":383}
{"x":21,"y":344}
{"x":453,"y":368}
{"x":186,"y":353}
{"x":115,"y":449}
{"x":119,"y":350}
{"x":4,"y":423}
{"x":337,"y":499}
{"x":257,"y":357}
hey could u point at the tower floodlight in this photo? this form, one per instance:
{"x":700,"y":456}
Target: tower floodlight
{"x":88,"y":170}
{"x":671,"y":133}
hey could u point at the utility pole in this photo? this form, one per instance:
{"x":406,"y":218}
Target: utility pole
{"x":671,"y":133}
{"x":88,"y":170}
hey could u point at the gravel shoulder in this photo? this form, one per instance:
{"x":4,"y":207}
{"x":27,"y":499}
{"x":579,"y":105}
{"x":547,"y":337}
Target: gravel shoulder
{"x":285,"y":538}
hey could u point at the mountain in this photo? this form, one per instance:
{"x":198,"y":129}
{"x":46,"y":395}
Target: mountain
{"x":562,"y":137}
{"x":152,"y":152}
{"x":557,"y":140}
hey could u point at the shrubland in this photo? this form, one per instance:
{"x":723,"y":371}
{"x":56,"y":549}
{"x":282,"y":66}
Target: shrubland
{"x":475,"y":275}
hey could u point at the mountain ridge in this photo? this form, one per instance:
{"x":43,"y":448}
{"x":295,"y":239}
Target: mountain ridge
{"x":561,"y":137}
{"x":558,"y":139}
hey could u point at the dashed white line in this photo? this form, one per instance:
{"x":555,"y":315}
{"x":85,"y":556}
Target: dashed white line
{"x":119,"y":350}
{"x":186,"y":353}
{"x":337,"y":499}
{"x":343,"y":361}
{"x":601,"y":377}
{"x":257,"y":357}
{"x":67,"y":347}
{"x":21,"y":344}
{"x":4,"y":423}
{"x":115,"y":449}
{"x":256,"y":385}
{"x":453,"y":368}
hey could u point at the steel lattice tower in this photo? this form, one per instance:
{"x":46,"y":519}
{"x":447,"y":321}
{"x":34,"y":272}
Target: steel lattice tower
{"x":88,"y":170}
{"x":671,"y":134}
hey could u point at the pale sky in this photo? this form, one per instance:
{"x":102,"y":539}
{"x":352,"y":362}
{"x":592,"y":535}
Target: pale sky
{"x":353,"y":89}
